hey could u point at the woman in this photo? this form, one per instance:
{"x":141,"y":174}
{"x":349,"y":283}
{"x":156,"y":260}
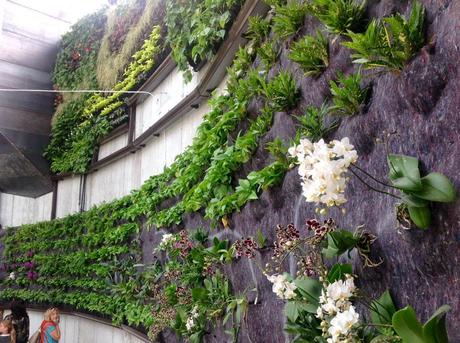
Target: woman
{"x":49,"y":330}
{"x":20,"y":320}
{"x":7,"y":333}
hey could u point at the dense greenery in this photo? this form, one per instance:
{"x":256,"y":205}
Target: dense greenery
{"x":85,"y":260}
{"x":391,"y":42}
{"x":348,"y":95}
{"x":76,"y":61}
{"x":339,"y":16}
{"x":98,"y":252}
{"x":195,"y":28}
{"x":311,"y":53}
{"x":100,"y":114}
{"x":128,"y":25}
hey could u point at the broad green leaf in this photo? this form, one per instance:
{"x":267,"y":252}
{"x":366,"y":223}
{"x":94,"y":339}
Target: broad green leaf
{"x":338,"y":271}
{"x":199,"y":294}
{"x":404,"y":172}
{"x":414,"y":201}
{"x":421,"y":216}
{"x":382,"y":309}
{"x":339,"y":242}
{"x":407,"y":326}
{"x":434,"y":330}
{"x":436,"y":187}
{"x":310,"y":289}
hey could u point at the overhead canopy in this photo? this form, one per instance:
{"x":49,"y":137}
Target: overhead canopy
{"x":29,"y":36}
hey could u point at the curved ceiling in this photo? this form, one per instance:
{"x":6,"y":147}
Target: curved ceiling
{"x":29,"y":36}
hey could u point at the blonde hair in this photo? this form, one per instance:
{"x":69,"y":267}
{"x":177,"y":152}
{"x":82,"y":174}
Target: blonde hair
{"x":9,"y":325}
{"x":49,"y":312}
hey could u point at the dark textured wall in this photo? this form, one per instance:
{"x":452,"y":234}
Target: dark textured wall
{"x":420,"y":106}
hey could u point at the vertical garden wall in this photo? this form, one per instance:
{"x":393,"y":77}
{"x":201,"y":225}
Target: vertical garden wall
{"x":164,"y":258}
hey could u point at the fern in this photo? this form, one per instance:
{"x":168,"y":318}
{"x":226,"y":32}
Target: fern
{"x":391,"y":42}
{"x":268,"y":54}
{"x":348,"y":96}
{"x":339,"y":16}
{"x":289,"y":19}
{"x":311,"y":53}
{"x":258,"y":29}
{"x":282,"y":92}
{"x":312,"y":123}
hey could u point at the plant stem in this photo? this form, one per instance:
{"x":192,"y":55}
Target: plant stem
{"x":372,"y":188}
{"x":372,"y":177}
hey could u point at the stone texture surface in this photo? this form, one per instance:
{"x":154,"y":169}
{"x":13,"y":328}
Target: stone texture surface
{"x":420,"y":107}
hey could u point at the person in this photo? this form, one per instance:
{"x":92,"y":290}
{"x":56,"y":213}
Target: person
{"x":49,"y":329}
{"x":20,"y":320}
{"x":7,"y":333}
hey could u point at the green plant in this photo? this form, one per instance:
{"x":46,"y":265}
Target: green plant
{"x":195,"y":28}
{"x":339,"y":16}
{"x":95,"y":121}
{"x":311,"y":53}
{"x":289,"y":18}
{"x":312,"y":123}
{"x":404,"y":323}
{"x":282,"y":92}
{"x":347,"y":95}
{"x":268,"y":53}
{"x":258,"y":29}
{"x":191,"y":292}
{"x":128,"y":25}
{"x":418,"y":191}
{"x":391,"y":42}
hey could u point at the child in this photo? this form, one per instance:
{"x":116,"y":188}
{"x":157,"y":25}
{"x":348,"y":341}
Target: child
{"x":7,"y":333}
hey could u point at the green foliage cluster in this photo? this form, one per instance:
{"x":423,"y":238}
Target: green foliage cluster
{"x":84,"y":260}
{"x":348,"y":95}
{"x":311,"y":53}
{"x":191,"y":280}
{"x":76,"y":61}
{"x":312,"y":123}
{"x":289,"y":18}
{"x":339,"y":16}
{"x":99,"y":115}
{"x":418,"y":191}
{"x":389,"y":43}
{"x":128,"y":25}
{"x":195,"y":29}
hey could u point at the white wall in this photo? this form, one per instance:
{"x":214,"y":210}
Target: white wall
{"x":167,"y":95}
{"x":68,"y":196}
{"x":78,"y":329}
{"x":112,"y":146}
{"x":17,"y":210}
{"x":119,"y":178}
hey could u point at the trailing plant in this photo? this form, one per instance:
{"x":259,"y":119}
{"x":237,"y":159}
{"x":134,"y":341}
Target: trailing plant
{"x":196,"y":28}
{"x":391,"y":42}
{"x":289,"y":18}
{"x":348,"y":95}
{"x":311,"y":53}
{"x":128,"y":25}
{"x":96,"y":122}
{"x":339,"y":16}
